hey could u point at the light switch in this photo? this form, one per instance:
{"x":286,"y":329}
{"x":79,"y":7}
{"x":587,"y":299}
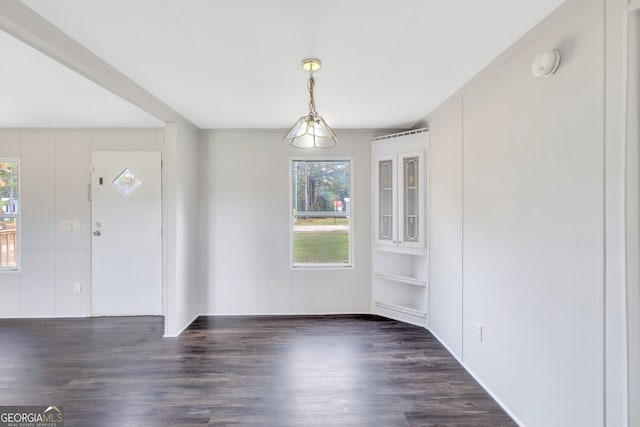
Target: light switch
{"x":76,"y":225}
{"x":65,"y":225}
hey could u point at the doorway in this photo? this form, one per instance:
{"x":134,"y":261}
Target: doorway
{"x":126,"y":225}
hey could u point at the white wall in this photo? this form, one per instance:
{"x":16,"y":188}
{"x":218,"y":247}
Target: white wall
{"x":616,"y":365}
{"x":54,"y":187}
{"x":445,"y":225}
{"x":245,"y":227}
{"x":182,"y":193}
{"x":530,"y":210}
{"x":633,"y":217}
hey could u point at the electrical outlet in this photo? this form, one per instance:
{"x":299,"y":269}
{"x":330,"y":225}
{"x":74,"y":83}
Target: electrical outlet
{"x":479,"y":332}
{"x":77,"y":287}
{"x":65,"y":225}
{"x":272,"y":284}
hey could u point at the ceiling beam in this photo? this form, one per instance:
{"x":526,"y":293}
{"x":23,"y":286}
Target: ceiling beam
{"x":24,"y":24}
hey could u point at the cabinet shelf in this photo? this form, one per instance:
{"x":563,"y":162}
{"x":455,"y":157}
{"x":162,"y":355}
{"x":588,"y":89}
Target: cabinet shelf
{"x":403,"y":279}
{"x":406,"y":309}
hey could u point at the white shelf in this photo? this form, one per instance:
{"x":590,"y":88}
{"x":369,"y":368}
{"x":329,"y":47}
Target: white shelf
{"x":403,"y":279}
{"x":402,"y":309}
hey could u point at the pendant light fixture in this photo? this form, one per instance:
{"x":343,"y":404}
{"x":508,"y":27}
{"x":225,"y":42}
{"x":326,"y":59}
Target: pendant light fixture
{"x":311,"y":131}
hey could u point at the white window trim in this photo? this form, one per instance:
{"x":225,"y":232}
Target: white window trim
{"x":323,"y":266}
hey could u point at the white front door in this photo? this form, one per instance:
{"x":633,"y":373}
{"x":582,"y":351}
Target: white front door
{"x":126,"y":249}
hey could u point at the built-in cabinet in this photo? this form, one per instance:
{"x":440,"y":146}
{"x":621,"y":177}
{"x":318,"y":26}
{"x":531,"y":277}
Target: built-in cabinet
{"x":400,"y":250}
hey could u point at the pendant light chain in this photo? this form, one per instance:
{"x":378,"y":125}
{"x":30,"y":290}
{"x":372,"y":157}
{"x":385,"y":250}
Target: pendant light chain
{"x":312,"y":101}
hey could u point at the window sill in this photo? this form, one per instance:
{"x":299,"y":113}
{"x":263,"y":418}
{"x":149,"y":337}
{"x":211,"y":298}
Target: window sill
{"x":322,"y":267}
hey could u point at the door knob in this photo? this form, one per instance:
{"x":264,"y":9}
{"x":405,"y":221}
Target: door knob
{"x":97,"y":233}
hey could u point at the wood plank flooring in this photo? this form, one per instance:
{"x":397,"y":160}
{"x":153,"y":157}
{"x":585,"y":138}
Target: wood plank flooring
{"x":352,"y":370}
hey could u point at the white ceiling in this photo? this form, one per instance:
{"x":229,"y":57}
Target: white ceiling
{"x":236,"y":63}
{"x":38,"y":91}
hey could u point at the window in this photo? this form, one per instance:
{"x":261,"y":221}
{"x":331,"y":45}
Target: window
{"x":9,"y":212}
{"x":321,"y":206}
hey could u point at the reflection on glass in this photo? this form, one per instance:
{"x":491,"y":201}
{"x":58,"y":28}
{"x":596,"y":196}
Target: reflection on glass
{"x":411,"y":199}
{"x":126,"y":182}
{"x":385,"y":213}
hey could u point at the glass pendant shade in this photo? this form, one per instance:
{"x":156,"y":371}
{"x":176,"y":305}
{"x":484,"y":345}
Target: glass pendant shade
{"x":311,"y":131}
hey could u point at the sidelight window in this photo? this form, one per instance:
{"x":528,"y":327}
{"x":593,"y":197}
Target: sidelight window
{"x":9,"y":215}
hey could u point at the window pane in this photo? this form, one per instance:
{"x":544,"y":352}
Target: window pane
{"x":8,"y":242}
{"x":323,"y":240}
{"x":9,"y":214}
{"x":321,"y":204}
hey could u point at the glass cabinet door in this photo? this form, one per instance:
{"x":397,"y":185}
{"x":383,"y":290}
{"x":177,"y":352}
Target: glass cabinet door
{"x":385,"y":197}
{"x":411,"y":206}
{"x":399,"y":201}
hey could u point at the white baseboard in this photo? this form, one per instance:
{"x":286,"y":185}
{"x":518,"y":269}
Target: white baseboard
{"x":400,"y":317}
{"x":329,"y":313}
{"x":181,"y":330}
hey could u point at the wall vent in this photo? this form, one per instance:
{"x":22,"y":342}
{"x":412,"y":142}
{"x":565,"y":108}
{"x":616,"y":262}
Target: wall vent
{"x":396,"y":135}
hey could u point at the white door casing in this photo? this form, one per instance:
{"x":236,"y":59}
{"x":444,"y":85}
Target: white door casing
{"x":126,"y":259}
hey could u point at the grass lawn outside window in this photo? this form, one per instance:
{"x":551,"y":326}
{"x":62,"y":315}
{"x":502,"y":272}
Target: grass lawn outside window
{"x":315,"y":241}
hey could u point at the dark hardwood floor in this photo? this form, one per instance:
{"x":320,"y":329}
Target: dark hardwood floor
{"x":268,"y":371}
